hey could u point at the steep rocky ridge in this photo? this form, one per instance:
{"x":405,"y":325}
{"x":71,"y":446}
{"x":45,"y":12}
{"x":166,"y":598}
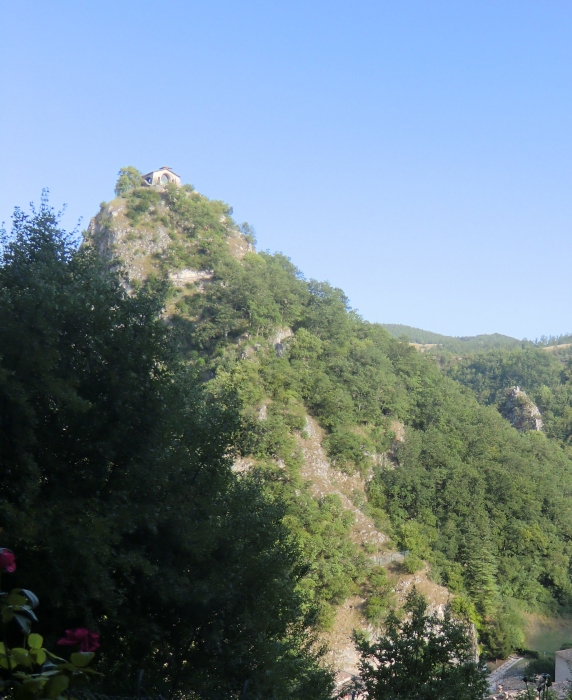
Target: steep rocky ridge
{"x":325,"y":480}
{"x":139,"y":246}
{"x":118,"y":240}
{"x":154,"y":242}
{"x":367,"y":444}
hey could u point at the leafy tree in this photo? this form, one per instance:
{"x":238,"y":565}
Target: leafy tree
{"x":380,"y":595}
{"x":412,"y":564}
{"x":481,"y":571}
{"x":129,"y":179}
{"x":117,"y":488}
{"x":543,"y":664}
{"x":422,"y":656}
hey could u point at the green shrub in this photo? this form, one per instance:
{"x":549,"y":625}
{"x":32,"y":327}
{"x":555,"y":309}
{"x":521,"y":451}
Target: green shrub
{"x":375,"y":609}
{"x":413,"y":564}
{"x":505,"y":632}
{"x":348,"y":450}
{"x":380,"y":595}
{"x":140,"y":201}
{"x":463,"y":607}
{"x":326,"y":617}
{"x":544,"y":664}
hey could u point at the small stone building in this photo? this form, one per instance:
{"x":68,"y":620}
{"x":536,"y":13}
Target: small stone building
{"x":161,"y":177}
{"x":562,"y":671}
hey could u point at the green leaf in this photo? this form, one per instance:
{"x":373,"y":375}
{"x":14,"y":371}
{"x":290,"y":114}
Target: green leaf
{"x":21,"y":656}
{"x":81,"y":658}
{"x":35,"y":641}
{"x":56,"y":686}
{"x":34,"y":683}
{"x":16,"y":598}
{"x":39,"y":656}
{"x":24,"y":622}
{"x":6,"y":662}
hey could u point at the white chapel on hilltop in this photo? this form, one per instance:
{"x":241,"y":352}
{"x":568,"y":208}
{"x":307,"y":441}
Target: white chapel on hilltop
{"x":161,"y":177}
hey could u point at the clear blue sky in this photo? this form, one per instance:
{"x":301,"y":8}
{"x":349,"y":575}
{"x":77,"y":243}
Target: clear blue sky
{"x":415,"y":153}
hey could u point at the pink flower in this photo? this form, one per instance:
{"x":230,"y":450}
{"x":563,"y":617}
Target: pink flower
{"x":7,"y":561}
{"x":87,"y":641}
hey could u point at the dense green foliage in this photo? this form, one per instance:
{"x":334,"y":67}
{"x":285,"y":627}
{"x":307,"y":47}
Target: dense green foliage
{"x":543,"y":664}
{"x":129,"y":179}
{"x":118,"y":432}
{"x":117,"y":489}
{"x":552,"y":340}
{"x":545,"y":376}
{"x":488,"y":507}
{"x":421,"y":656}
{"x":458,"y":345}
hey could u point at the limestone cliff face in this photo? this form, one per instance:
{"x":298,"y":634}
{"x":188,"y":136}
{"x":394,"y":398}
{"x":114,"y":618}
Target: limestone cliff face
{"x":520,"y":411}
{"x":118,"y":240}
{"x":138,"y":248}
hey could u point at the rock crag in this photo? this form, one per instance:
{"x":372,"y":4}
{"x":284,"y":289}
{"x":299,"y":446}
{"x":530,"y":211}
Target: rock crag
{"x":520,"y":411}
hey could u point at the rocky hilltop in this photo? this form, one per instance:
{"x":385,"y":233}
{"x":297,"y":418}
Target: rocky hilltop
{"x":140,"y":243}
{"x":180,"y":236}
{"x":389,"y":469}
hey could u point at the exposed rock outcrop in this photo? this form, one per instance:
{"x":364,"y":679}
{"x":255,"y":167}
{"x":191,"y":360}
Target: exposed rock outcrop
{"x":520,"y":411}
{"x":137,"y":245}
{"x":117,"y":240}
{"x":187,"y":276}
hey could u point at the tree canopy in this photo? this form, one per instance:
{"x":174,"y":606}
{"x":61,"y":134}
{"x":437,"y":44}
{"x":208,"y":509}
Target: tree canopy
{"x":118,"y":493}
{"x":423,"y":656}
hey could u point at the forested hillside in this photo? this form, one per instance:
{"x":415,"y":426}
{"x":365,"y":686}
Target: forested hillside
{"x":157,"y":392}
{"x":488,"y":507}
{"x":117,"y":491}
{"x":459,"y":345}
{"x":544,"y":372}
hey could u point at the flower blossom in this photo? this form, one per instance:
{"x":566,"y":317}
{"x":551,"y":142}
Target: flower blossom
{"x":7,"y":560}
{"x":87,"y":641}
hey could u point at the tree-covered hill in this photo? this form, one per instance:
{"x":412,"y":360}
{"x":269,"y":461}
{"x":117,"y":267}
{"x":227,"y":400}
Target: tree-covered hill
{"x":117,"y":492}
{"x":457,"y":345}
{"x":544,"y":374}
{"x":488,"y":507}
{"x":155,"y":436}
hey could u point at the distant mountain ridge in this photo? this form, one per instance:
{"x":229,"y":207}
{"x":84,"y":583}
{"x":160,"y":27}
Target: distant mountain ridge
{"x":463,"y":344}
